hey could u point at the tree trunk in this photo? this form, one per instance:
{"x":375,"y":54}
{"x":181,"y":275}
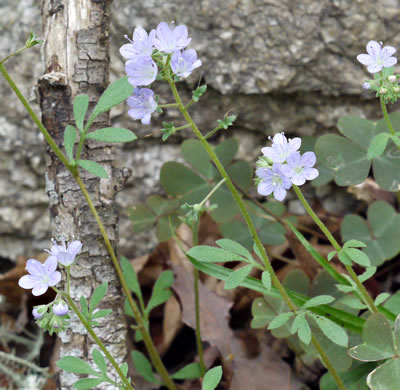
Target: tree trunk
{"x":76,"y":55}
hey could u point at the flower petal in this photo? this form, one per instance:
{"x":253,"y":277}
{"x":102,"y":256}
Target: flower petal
{"x":127,"y":50}
{"x":40,"y":289}
{"x":263,"y":173}
{"x":287,"y":170}
{"x":27,"y":281}
{"x":265,"y":189}
{"x":308,"y":159}
{"x":55,"y":277}
{"x":388,"y":51}
{"x":311,"y":173}
{"x":74,"y":248}
{"x":65,"y":258}
{"x":279,"y":193}
{"x":34,"y":267}
{"x":365,"y":59}
{"x":294,"y":145}
{"x":388,"y":62}
{"x":374,"y":68}
{"x":50,"y":265}
{"x":298,"y":179}
{"x":374,"y":49}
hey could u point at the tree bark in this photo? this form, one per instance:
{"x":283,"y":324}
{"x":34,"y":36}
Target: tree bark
{"x":76,"y":53}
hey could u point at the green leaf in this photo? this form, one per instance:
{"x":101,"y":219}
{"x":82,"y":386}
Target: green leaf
{"x":84,"y":306}
{"x":241,"y":173}
{"x":130,"y":276}
{"x":124,"y":368}
{"x":228,"y":121}
{"x":237,"y":277}
{"x":194,"y":153}
{"x":331,"y":330}
{"x":94,"y":168}
{"x":69,"y":141}
{"x":211,"y":254}
{"x":161,"y":292}
{"x":300,"y":325}
{"x":379,"y":232}
{"x":190,"y":371}
{"x":319,"y":300}
{"x":381,"y":298}
{"x":81,"y":104}
{"x":112,"y":134}
{"x":354,"y":244}
{"x":357,"y":256}
{"x":99,"y":360}
{"x":116,"y":93}
{"x":280,"y":320}
{"x":353,"y":379}
{"x":101,"y":313}
{"x":378,"y":340}
{"x":75,"y":365}
{"x":234,"y":247}
{"x":163,"y":228}
{"x":160,"y":205}
{"x":143,"y":366}
{"x":212,"y":378}
{"x":198,"y":92}
{"x":87,"y":383}
{"x":226,"y":150}
{"x":142,"y":218}
{"x":378,"y":145}
{"x":98,"y":294}
{"x":266,"y":280}
{"x":386,"y":376}
{"x":226,"y":205}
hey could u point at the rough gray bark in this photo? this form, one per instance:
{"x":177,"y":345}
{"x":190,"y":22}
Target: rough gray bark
{"x":77,"y":60}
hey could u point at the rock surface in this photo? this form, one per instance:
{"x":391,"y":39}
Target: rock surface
{"x":280,"y":65}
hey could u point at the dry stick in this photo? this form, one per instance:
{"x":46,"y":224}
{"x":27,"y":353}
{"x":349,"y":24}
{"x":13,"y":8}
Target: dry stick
{"x":154,"y":356}
{"x":275,"y":280}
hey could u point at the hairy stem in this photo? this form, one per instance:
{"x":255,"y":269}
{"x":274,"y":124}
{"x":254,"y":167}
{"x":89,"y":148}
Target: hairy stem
{"x":275,"y":280}
{"x":367,"y":298}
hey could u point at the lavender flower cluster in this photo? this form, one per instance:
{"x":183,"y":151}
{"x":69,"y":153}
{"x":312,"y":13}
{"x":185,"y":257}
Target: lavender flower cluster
{"x":42,"y":276}
{"x":166,"y":46}
{"x":282,"y":166}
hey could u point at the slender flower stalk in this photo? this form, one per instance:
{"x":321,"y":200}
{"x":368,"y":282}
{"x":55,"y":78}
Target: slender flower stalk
{"x":368,"y":300}
{"x":386,"y":116}
{"x":275,"y":280}
{"x":154,"y":356}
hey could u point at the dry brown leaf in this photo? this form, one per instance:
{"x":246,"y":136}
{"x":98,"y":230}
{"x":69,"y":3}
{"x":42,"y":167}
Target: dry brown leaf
{"x":172,"y":323}
{"x":369,"y":191}
{"x":264,"y":371}
{"x":214,"y":311}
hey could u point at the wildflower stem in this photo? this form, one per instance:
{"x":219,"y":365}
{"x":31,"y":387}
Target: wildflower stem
{"x":154,"y":356}
{"x":211,"y":193}
{"x":267,"y":264}
{"x":168,"y":105}
{"x":199,"y":343}
{"x":98,"y":341}
{"x":68,"y":279}
{"x":191,"y":101}
{"x":386,"y":116}
{"x":208,"y":135}
{"x":13,"y":54}
{"x":367,"y":298}
{"x":151,"y":349}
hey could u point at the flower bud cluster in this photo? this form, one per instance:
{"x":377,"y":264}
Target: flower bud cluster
{"x":165,"y":47}
{"x":282,"y":165}
{"x":52,"y":317}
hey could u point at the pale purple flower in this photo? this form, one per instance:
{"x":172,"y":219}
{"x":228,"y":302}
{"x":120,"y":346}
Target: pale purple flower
{"x":366,"y":85}
{"x":169,"y":40}
{"x":60,"y":308}
{"x":273,"y":181}
{"x":141,"y":71}
{"x":299,"y":168}
{"x":184,"y":62}
{"x":142,"y":104}
{"x":42,"y":276}
{"x":64,"y":254}
{"x":140,"y":45}
{"x":378,"y":57}
{"x":281,"y":148}
{"x":36,"y":314}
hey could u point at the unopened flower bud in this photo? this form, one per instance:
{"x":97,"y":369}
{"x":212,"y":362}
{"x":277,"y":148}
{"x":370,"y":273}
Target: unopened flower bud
{"x":60,"y":308}
{"x":396,"y":89}
{"x":366,"y":85}
{"x":38,"y":313}
{"x":382,"y":91}
{"x":392,"y":78}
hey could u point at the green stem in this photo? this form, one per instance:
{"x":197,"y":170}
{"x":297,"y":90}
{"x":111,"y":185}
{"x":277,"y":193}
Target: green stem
{"x":98,"y":341}
{"x":191,"y":101}
{"x":39,"y":124}
{"x":168,"y":105}
{"x":275,"y":280}
{"x":328,"y":364}
{"x":209,"y":134}
{"x":197,"y":305}
{"x":367,"y":298}
{"x":386,"y":116}
{"x":68,"y":280}
{"x":13,"y":54}
{"x":211,"y":193}
{"x":154,"y":356}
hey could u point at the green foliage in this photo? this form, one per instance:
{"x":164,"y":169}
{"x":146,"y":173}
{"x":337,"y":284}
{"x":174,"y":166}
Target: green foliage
{"x":237,"y":277}
{"x":190,"y":371}
{"x":266,"y":280}
{"x":348,"y":158}
{"x":112,"y":134}
{"x":94,"y":168}
{"x":378,"y":145}
{"x":226,"y":122}
{"x":99,"y":360}
{"x":143,"y":366}
{"x":32,"y":41}
{"x":354,"y":379}
{"x":379,"y":232}
{"x":198,"y":92}
{"x":116,"y":93}
{"x":69,"y":141}
{"x":75,"y":365}
{"x":385,"y":376}
{"x":81,"y":104}
{"x":130,"y":276}
{"x":161,"y":290}
{"x":88,"y":310}
{"x":167,"y":130}
{"x":212,"y":378}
